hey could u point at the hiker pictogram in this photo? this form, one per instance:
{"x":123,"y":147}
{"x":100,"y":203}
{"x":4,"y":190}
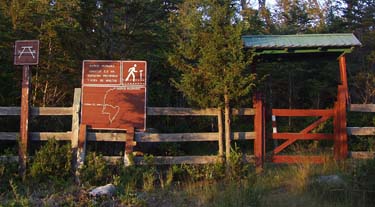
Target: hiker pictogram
{"x":132,"y":71}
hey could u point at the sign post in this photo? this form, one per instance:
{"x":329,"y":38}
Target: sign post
{"x":26,"y":54}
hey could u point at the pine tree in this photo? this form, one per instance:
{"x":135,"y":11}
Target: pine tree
{"x":209,"y":54}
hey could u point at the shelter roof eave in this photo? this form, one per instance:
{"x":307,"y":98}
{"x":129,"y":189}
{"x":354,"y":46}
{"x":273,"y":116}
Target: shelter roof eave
{"x":261,"y":45}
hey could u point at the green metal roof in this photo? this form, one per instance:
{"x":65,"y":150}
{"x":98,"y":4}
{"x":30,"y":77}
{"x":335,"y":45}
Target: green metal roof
{"x":301,"y":43}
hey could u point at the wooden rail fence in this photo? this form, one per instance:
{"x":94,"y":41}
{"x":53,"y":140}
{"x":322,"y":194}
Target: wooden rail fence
{"x":362,"y":131}
{"x":146,"y":137}
{"x":140,"y":137}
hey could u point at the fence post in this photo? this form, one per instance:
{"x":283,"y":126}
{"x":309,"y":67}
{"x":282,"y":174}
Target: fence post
{"x":259,"y":136}
{"x":24,"y":119}
{"x":81,"y":150}
{"x":75,"y":125}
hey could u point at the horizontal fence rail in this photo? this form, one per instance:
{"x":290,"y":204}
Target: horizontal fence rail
{"x":361,"y":131}
{"x":362,"y":107}
{"x":157,"y":160}
{"x":38,"y":111}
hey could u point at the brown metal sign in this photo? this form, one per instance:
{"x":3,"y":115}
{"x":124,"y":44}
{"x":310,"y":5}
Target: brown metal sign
{"x":114,"y":94}
{"x":26,"y":52}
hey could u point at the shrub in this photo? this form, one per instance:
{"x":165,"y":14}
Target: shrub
{"x":95,"y":171}
{"x":52,"y":160}
{"x":236,"y":168}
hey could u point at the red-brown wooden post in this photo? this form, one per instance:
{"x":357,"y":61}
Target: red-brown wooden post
{"x":259,"y":132}
{"x":340,"y":133}
{"x":343,"y":76}
{"x":22,"y":151}
{"x":336,"y":127}
{"x":26,"y":53}
{"x":343,"y":136}
{"x":130,"y":143}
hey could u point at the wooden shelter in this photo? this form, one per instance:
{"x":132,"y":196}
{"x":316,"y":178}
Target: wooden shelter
{"x":269,"y":47}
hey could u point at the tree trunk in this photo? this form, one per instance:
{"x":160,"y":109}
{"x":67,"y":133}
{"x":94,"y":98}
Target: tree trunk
{"x":227,"y":127}
{"x":220,"y":130}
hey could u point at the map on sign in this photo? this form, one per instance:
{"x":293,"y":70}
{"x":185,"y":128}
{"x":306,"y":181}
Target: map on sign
{"x":26,"y":52}
{"x":114,"y":94}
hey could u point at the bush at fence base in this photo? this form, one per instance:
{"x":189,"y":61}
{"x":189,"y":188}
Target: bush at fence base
{"x":52,"y":160}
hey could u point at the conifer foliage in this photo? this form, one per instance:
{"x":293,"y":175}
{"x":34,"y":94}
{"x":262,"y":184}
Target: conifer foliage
{"x":209,"y":54}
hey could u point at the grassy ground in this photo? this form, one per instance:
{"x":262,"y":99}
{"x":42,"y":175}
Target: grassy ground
{"x":49,"y":183}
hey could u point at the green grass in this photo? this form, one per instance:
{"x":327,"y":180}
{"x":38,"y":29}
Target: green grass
{"x":189,"y":185}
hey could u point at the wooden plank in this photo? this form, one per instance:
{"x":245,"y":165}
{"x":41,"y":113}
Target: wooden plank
{"x":170,"y":160}
{"x":300,"y":136}
{"x":302,"y":112}
{"x":176,"y":137}
{"x":10,"y":111}
{"x":37,"y":136}
{"x":75,"y":119}
{"x":108,"y":137}
{"x":139,"y":137}
{"x":298,"y":159}
{"x":243,"y":112}
{"x":8,"y":158}
{"x":37,"y":111}
{"x":169,"y":111}
{"x":190,"y":137}
{"x":43,"y":136}
{"x":362,"y":155}
{"x":51,"y":111}
{"x":362,"y":107}
{"x":243,"y":135}
{"x":11,"y":136}
{"x":358,"y":131}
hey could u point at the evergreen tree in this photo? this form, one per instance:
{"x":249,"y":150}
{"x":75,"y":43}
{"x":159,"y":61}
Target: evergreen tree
{"x":209,"y":54}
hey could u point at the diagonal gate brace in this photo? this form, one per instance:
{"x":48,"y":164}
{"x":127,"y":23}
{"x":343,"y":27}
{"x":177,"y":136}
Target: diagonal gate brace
{"x":303,"y":132}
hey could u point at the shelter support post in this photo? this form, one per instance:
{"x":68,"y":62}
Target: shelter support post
{"x":24,"y":119}
{"x":340,"y":133}
{"x":343,"y":76}
{"x":259,"y":129}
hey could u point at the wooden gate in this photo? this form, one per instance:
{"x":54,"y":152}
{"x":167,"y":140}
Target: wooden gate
{"x":304,"y":134}
{"x":339,"y":134}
